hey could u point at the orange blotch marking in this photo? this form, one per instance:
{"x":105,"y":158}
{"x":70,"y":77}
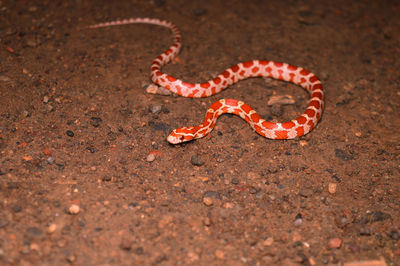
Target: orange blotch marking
{"x":313,"y":79}
{"x":278,"y":64}
{"x":281,"y":134}
{"x":168,"y":52}
{"x":291,"y":75}
{"x":178,"y":90}
{"x":247,"y":119}
{"x":280,"y":71}
{"x":300,"y":131}
{"x":258,"y":129}
{"x":317,"y":87}
{"x":159,"y":58}
{"x":235,"y":68}
{"x":241,"y":73}
{"x":268,"y":69}
{"x":288,"y":125}
{"x":217,"y":80}
{"x":316,"y":94}
{"x":302,"y":80}
{"x":255,"y":69}
{"x":224,"y":109}
{"x":311,"y":124}
{"x":315,"y":104}
{"x":205,"y":85}
{"x":246,"y":108}
{"x":310,"y":112}
{"x":187,"y":85}
{"x":159,"y":73}
{"x":231,"y":102}
{"x":226,"y":74}
{"x":213,"y":90}
{"x":209,"y":116}
{"x":216,"y":105}
{"x":255,"y":117}
{"x":301,"y":120}
{"x":304,"y":72}
{"x":263,"y":62}
{"x":293,"y":68}
{"x":269,"y":125}
{"x":248,"y":64}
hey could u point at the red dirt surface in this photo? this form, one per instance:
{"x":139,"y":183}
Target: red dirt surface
{"x":86,"y":174}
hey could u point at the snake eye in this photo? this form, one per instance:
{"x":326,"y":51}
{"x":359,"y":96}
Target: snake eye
{"x":182,"y":138}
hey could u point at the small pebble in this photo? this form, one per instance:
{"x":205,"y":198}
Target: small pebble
{"x":212,"y":194}
{"x":219,"y":254}
{"x":4,"y":78}
{"x":375,"y":216}
{"x":34,"y":247}
{"x":52,"y":228}
{"x":268,"y":242}
{"x":3,"y":223}
{"x":26,"y":113}
{"x":31,"y":42}
{"x":151,"y":157}
{"x":207,"y":221}
{"x":342,"y":221}
{"x":34,"y":231}
{"x":125,"y":244}
{"x":228,"y":205}
{"x":332,"y":188}
{"x":334,"y":243}
{"x":365,"y":231}
{"x":95,"y":121}
{"x":139,"y":250}
{"x":343,"y":155}
{"x":235,"y":181}
{"x":155,"y":109}
{"x":74,"y":209}
{"x":47,"y":152}
{"x":298,"y":222}
{"x":107,"y":178}
{"x":394,"y":234}
{"x":196,"y":160}
{"x":16,"y":208}
{"x":70,"y":133}
{"x":50,"y":160}
{"x":208,"y":201}
{"x":46,"y":99}
{"x":199,"y":12}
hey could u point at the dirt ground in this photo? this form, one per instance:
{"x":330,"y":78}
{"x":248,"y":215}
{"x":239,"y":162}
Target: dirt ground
{"x":78,"y":184}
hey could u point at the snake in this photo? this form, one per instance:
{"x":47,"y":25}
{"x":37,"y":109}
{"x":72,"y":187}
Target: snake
{"x":255,"y":68}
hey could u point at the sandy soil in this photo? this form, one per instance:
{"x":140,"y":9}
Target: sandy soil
{"x":77,"y":184}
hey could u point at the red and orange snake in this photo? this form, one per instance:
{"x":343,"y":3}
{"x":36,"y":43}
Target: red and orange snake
{"x":256,"y":68}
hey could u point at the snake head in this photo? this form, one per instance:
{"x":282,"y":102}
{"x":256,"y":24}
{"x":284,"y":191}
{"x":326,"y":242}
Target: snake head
{"x":180,"y":135}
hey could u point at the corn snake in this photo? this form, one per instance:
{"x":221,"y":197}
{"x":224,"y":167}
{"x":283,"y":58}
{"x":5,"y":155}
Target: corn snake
{"x":256,"y":68}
